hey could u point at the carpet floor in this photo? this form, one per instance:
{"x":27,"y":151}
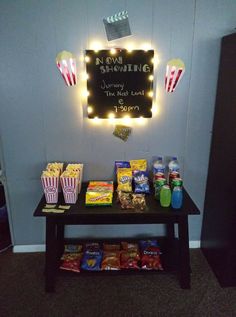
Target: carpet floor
{"x":22,"y":292}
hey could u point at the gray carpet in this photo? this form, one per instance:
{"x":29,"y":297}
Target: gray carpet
{"x":22,"y":292}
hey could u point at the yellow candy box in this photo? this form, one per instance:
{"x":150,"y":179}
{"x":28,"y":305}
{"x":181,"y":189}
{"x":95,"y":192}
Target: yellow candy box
{"x":98,"y":198}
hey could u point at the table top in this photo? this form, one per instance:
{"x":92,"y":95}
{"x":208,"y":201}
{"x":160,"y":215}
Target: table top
{"x":79,"y":213}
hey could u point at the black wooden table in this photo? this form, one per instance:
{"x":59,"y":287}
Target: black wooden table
{"x":79,"y":214}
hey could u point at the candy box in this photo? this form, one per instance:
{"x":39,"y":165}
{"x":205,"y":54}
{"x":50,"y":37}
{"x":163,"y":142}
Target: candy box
{"x":98,"y":198}
{"x":50,"y":183}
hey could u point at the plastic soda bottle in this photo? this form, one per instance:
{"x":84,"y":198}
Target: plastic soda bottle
{"x":177,"y":197}
{"x":158,"y":185}
{"x":165,"y":196}
{"x":173,"y":167}
{"x":158,"y":167}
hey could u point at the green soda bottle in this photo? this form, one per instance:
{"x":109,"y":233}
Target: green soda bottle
{"x":165,"y":196}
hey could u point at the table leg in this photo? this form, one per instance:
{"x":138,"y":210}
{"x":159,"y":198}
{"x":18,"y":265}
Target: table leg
{"x":51,"y":247}
{"x":60,"y":241}
{"x":184,"y":266}
{"x":170,"y":231}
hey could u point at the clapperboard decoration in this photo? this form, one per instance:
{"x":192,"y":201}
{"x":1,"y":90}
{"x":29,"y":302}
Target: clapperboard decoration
{"x":117,"y":26}
{"x":122,"y":132}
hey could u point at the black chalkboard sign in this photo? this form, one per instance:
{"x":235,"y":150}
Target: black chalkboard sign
{"x":120,"y":83}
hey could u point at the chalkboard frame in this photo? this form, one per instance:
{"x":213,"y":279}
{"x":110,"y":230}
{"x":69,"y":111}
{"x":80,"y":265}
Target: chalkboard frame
{"x":120,"y":83}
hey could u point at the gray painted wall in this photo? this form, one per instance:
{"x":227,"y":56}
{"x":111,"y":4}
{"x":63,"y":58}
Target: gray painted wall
{"x":42,"y":120}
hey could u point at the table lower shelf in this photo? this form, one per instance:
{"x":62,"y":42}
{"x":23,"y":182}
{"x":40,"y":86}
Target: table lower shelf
{"x":169,"y":256}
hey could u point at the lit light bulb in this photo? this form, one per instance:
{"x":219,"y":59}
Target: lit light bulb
{"x":127,"y":119}
{"x":86,"y":93}
{"x":96,"y":46}
{"x":85,"y":76}
{"x":111,"y":115}
{"x":146,"y":47}
{"x":141,"y":120}
{"x":130,"y":48}
{"x":87,"y":59}
{"x":90,"y":109}
{"x":151,"y":77}
{"x":96,"y":120}
{"x":150,"y":94}
{"x":113,"y":51}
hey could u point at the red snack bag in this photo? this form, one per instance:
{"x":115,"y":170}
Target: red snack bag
{"x":150,"y":259}
{"x":71,"y":262}
{"x":111,"y":260}
{"x":111,"y":246}
{"x":129,"y":246}
{"x":129,"y":259}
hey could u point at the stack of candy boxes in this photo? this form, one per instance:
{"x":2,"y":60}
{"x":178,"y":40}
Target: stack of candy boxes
{"x":99,"y":193}
{"x":53,"y":178}
{"x":92,"y":256}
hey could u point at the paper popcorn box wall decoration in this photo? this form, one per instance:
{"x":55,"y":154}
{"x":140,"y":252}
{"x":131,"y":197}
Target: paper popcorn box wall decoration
{"x":175,"y":69}
{"x":66,"y":63}
{"x":117,"y":26}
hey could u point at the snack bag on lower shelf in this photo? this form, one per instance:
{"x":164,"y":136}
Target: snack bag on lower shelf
{"x":111,"y":260}
{"x":91,"y":260}
{"x":129,"y":255}
{"x":129,"y":259}
{"x":150,"y":255}
{"x":71,"y":262}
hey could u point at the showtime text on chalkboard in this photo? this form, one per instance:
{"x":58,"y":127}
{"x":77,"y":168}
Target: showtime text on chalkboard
{"x":120,"y":83}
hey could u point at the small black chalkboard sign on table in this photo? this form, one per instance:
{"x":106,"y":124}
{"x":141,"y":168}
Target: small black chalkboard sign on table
{"x":120,"y":83}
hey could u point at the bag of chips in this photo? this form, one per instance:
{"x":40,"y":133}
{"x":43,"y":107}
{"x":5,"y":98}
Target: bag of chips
{"x":141,"y":183}
{"x":91,"y":260}
{"x":144,"y":244}
{"x":138,"y":165}
{"x":121,"y":164}
{"x":129,"y":258}
{"x":111,"y":246}
{"x":73,"y":248}
{"x":150,"y":255}
{"x":129,"y":246}
{"x":71,"y":262}
{"x":124,"y":179}
{"x":92,"y":246}
{"x":138,"y":201}
{"x":125,"y":200}
{"x":111,"y":260}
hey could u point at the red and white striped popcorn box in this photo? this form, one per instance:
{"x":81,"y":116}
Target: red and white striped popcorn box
{"x":77,"y":167}
{"x":175,"y":69}
{"x":70,"y":189}
{"x":50,"y":188}
{"x":80,"y":177}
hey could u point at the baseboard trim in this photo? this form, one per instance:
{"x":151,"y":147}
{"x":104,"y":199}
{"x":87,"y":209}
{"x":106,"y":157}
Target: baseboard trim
{"x":195,"y":244}
{"x":29,"y":248}
{"x":41,"y":247}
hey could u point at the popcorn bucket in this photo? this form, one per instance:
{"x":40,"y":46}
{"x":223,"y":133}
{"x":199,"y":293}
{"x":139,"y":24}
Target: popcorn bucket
{"x":50,"y":188}
{"x":175,"y":69}
{"x":70,"y":189}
